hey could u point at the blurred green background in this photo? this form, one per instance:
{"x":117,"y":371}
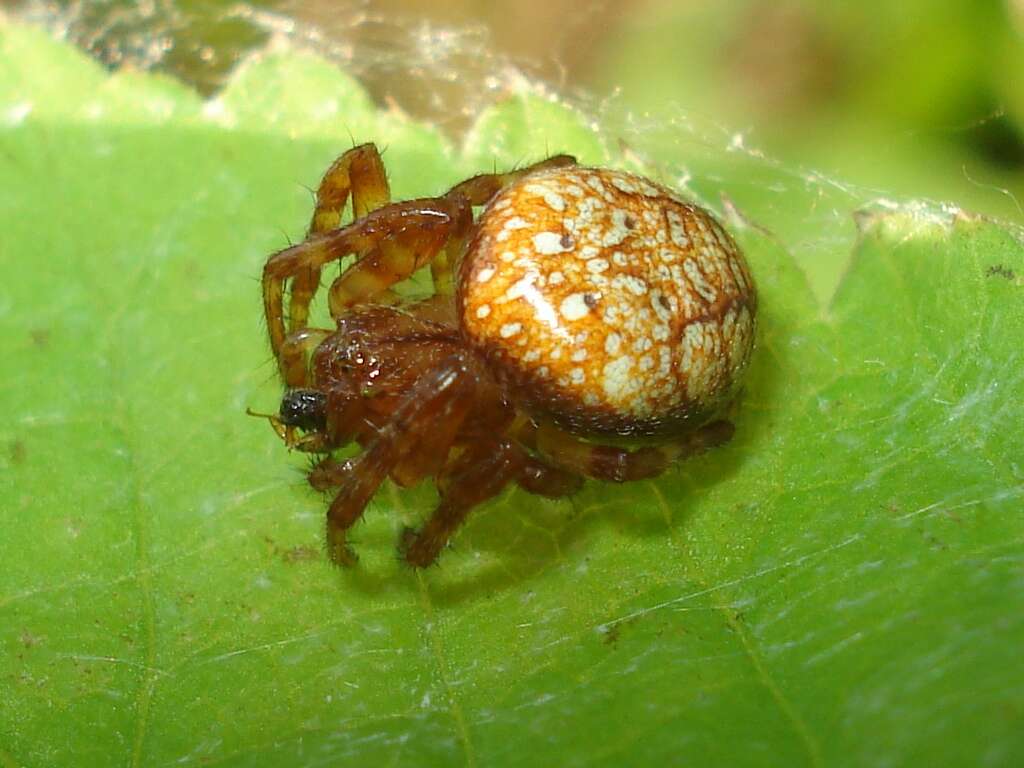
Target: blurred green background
{"x":922,"y":98}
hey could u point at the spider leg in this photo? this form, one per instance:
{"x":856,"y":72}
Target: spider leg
{"x":481,"y":188}
{"x":543,"y":479}
{"x":394,"y":241}
{"x":440,"y":397}
{"x":478,"y":190}
{"x":330,"y":473}
{"x":442,"y":266}
{"x":606,"y":462}
{"x":295,"y":353}
{"x":358,"y":173}
{"x":402,"y":248}
{"x":476,"y":475}
{"x":431,"y":450}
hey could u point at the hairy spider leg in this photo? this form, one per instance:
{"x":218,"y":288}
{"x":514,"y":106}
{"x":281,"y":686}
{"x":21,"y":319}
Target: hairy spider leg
{"x":358,"y":173}
{"x":478,"y":190}
{"x":476,"y":475}
{"x":416,"y":228}
{"x":545,"y":480}
{"x":402,"y":248}
{"x":330,"y":473}
{"x":619,"y":465}
{"x":296,"y":355}
{"x":392,"y":262}
{"x":428,"y":457}
{"x":482,"y":187}
{"x":442,"y":396}
{"x":391,"y":241}
{"x":536,"y":477}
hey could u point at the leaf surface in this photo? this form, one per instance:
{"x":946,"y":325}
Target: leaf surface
{"x":840,"y":585}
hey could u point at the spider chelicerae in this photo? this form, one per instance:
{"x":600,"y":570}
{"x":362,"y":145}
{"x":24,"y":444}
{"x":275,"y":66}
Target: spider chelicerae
{"x":588,"y":323}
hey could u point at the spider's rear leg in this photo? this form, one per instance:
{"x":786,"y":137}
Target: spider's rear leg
{"x":442,"y":396}
{"x":606,"y":462}
{"x":546,"y":480}
{"x":358,"y":173}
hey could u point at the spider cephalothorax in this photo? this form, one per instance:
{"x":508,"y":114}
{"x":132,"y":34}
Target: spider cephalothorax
{"x":582,"y":305}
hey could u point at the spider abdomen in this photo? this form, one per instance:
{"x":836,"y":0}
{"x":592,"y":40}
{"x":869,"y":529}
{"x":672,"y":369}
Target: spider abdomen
{"x":611,"y":305}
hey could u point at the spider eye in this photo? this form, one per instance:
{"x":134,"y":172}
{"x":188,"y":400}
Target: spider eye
{"x":303,"y":408}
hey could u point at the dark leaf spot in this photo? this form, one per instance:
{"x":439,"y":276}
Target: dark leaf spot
{"x":40,"y":336}
{"x":18,"y":452}
{"x":998,"y":270}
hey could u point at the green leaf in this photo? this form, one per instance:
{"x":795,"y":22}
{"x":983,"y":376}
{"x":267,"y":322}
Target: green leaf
{"x":840,"y":585}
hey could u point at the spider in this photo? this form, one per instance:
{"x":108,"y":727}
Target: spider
{"x":588,"y":323}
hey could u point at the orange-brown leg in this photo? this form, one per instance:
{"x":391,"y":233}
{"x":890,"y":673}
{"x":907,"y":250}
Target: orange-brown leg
{"x":295,"y":355}
{"x":605,"y":462}
{"x":396,"y":258}
{"x":396,"y":240}
{"x":293,"y":361}
{"x":393,"y":241}
{"x":358,"y":173}
{"x":330,"y":473}
{"x":546,"y":480}
{"x":479,"y":473}
{"x":478,"y":190}
{"x":441,"y":397}
{"x":392,"y":261}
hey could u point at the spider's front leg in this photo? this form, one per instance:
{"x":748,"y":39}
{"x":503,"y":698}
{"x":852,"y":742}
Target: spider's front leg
{"x":475,"y":476}
{"x":391,"y":242}
{"x":436,"y":405}
{"x":359,"y":173}
{"x":394,"y":260}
